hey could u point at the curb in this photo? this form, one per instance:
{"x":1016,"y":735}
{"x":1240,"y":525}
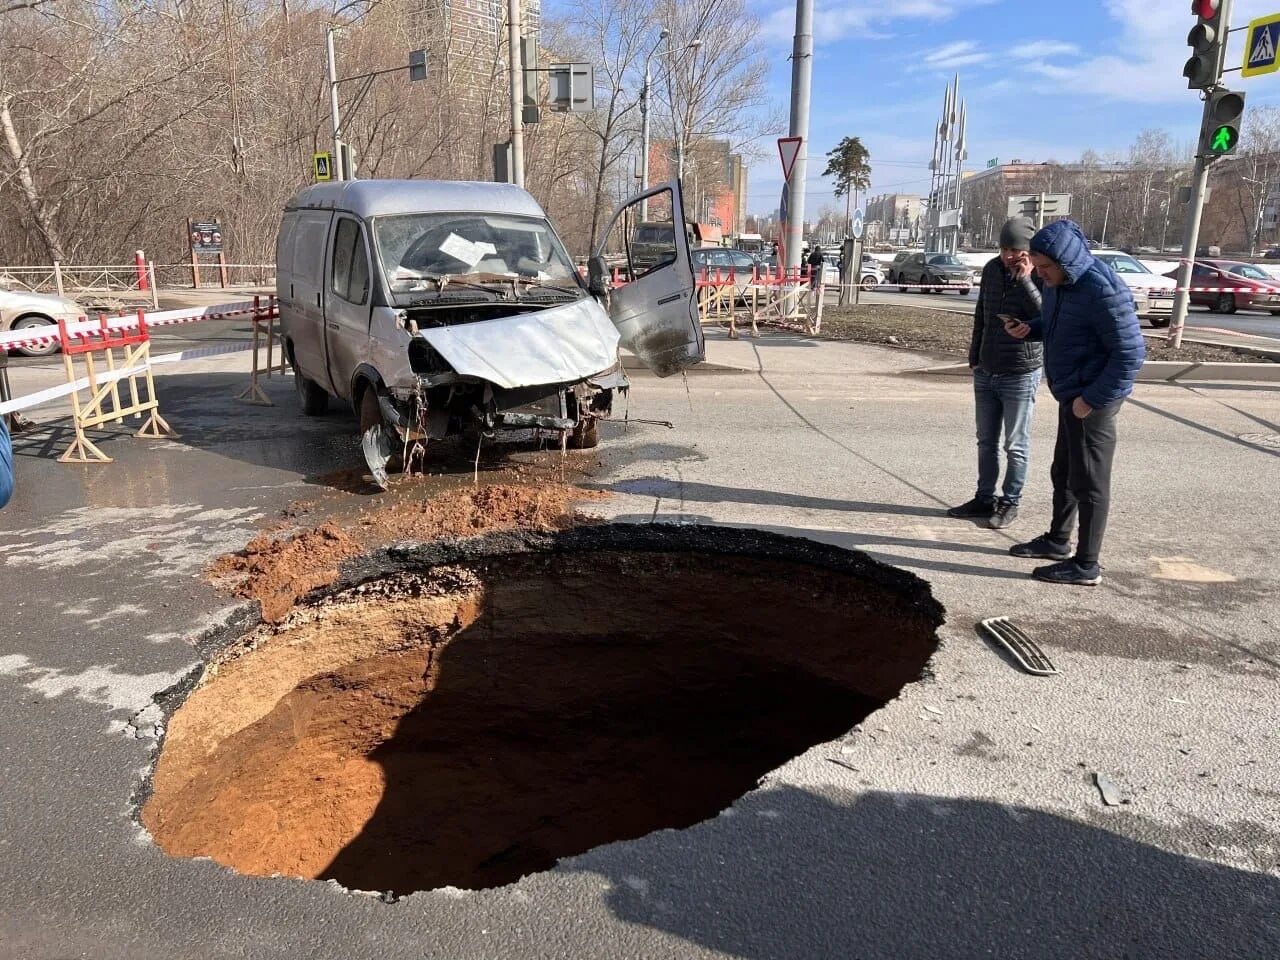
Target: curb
{"x":1163,"y":371}
{"x":1231,"y":341}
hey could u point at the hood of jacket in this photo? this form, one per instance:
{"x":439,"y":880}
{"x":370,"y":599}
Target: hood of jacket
{"x":1064,"y":243}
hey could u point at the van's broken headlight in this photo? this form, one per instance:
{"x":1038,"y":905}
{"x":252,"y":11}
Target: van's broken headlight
{"x":425,"y":360}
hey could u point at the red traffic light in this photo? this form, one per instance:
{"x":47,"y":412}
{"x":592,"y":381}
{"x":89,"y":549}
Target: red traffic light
{"x":1205,"y":9}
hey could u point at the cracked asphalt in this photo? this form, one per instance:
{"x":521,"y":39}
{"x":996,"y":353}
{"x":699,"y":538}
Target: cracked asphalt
{"x":961,"y":820}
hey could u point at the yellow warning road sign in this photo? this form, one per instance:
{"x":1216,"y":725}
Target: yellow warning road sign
{"x":322,"y":166}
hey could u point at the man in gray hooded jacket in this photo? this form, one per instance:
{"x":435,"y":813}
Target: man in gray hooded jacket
{"x":1006,"y":375}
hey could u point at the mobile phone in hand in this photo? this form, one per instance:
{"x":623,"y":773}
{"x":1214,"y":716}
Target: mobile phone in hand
{"x":1007,"y":320}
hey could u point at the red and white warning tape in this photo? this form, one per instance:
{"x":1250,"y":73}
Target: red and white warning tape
{"x":13,"y":339}
{"x":109,"y":376}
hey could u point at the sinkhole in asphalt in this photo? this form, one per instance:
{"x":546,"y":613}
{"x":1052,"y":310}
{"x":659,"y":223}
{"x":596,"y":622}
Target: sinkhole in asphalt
{"x":463,"y":715}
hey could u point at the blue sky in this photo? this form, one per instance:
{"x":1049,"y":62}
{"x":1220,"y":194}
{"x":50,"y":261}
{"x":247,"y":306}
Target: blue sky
{"x":1044,"y":79}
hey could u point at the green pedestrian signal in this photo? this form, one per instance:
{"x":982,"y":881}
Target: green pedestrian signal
{"x":1224,"y":139}
{"x":1220,"y":128}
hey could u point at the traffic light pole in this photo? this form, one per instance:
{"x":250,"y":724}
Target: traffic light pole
{"x":1208,"y":39}
{"x":1190,"y":240}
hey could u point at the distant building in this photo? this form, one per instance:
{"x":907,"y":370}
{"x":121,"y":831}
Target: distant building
{"x":984,"y":194}
{"x":894,"y":217}
{"x":715,"y":182}
{"x":464,"y":39}
{"x":473,"y":30}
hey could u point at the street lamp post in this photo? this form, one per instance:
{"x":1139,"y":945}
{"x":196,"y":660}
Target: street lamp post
{"x":343,"y":162}
{"x":646,"y":93}
{"x":694,"y":45}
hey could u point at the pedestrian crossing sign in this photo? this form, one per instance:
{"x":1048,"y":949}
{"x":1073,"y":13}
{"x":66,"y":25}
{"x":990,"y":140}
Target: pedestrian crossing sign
{"x":1261,"y":42}
{"x":322,"y":167}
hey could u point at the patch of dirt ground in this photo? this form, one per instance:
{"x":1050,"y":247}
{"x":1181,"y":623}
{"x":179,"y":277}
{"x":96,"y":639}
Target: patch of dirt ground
{"x":276,"y":570}
{"x":948,"y":333}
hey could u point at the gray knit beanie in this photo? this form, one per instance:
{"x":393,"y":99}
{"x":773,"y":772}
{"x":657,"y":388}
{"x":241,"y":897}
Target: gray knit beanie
{"x":1016,"y":233}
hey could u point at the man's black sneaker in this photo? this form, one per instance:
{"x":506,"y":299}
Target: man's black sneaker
{"x":1041,"y":548}
{"x":974,"y":508}
{"x":1068,"y":571}
{"x":1005,"y":514}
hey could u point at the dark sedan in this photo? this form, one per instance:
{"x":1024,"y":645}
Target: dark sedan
{"x":934,"y":272}
{"x":1232,"y":286}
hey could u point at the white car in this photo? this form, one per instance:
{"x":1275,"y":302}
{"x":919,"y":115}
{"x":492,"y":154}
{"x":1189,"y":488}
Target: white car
{"x":872,"y":274}
{"x":1152,"y":293}
{"x":23,"y":310}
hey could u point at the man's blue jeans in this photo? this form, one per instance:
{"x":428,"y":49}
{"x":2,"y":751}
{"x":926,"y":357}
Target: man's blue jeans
{"x":1004,"y":401}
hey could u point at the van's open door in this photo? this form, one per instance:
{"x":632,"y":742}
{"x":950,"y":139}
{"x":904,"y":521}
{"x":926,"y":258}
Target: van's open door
{"x":655,"y":305}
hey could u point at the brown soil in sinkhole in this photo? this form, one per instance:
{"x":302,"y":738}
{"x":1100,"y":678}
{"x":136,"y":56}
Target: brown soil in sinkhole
{"x":468,"y":725}
{"x":277,"y":570}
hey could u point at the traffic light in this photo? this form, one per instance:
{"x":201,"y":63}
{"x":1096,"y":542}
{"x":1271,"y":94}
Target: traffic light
{"x":1208,"y":38}
{"x":1220,"y":131}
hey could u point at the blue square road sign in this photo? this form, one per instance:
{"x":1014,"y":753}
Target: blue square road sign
{"x":1261,"y":43}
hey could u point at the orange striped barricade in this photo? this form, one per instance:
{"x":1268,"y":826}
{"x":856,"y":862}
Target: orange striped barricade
{"x":103,"y":404}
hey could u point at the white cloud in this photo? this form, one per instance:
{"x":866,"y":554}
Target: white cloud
{"x":837,"y":19}
{"x":1039,"y":49}
{"x":1144,"y":58}
{"x":959,"y":60}
{"x":950,"y":50}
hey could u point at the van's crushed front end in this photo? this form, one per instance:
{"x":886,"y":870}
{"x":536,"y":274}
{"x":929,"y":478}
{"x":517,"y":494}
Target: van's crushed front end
{"x":555,"y":368}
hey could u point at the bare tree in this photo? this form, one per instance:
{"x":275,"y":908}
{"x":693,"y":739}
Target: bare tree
{"x":714,"y":75}
{"x":1257,"y":171}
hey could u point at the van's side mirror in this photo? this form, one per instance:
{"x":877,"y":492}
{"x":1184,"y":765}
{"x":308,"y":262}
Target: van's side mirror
{"x":598,"y":276}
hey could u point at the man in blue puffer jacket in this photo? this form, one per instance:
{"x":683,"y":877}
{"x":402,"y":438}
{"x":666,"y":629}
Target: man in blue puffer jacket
{"x":6,"y":462}
{"x":1093,"y":350}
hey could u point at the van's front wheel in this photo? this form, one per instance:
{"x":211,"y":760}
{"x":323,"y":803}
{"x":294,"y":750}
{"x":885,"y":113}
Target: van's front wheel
{"x":376,"y":439}
{"x":585,"y":435}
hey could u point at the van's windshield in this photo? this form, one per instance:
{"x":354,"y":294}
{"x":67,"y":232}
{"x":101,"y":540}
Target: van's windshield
{"x":417,"y":250}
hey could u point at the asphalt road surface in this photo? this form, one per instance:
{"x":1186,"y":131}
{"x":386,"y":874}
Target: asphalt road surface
{"x":963,"y":819}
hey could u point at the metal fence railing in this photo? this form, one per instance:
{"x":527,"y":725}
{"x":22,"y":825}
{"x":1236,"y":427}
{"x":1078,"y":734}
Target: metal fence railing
{"x":138,"y":280}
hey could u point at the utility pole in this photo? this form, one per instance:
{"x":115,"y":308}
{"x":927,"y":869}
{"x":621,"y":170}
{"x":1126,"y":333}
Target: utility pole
{"x":517,"y":92}
{"x":338,"y":166}
{"x":683,"y":132}
{"x":644,"y":140}
{"x":646,"y":94}
{"x":801,"y":78}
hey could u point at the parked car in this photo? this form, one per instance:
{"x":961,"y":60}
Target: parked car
{"x":436,"y":307}
{"x":895,"y":266}
{"x":872,"y":273}
{"x":24,"y":310}
{"x":1152,"y":293}
{"x":934,"y":272}
{"x":722,"y":262}
{"x":1272,"y":254}
{"x":1234,"y":286}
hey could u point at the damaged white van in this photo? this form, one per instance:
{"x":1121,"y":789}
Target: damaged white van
{"x":432,"y":307}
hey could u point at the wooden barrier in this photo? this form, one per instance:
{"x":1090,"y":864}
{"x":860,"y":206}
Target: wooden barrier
{"x":103,"y":405}
{"x":254,"y":393}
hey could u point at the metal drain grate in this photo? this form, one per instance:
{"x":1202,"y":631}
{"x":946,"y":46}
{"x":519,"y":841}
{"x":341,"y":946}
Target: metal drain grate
{"x":1262,"y":439}
{"x":1023,"y":649}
